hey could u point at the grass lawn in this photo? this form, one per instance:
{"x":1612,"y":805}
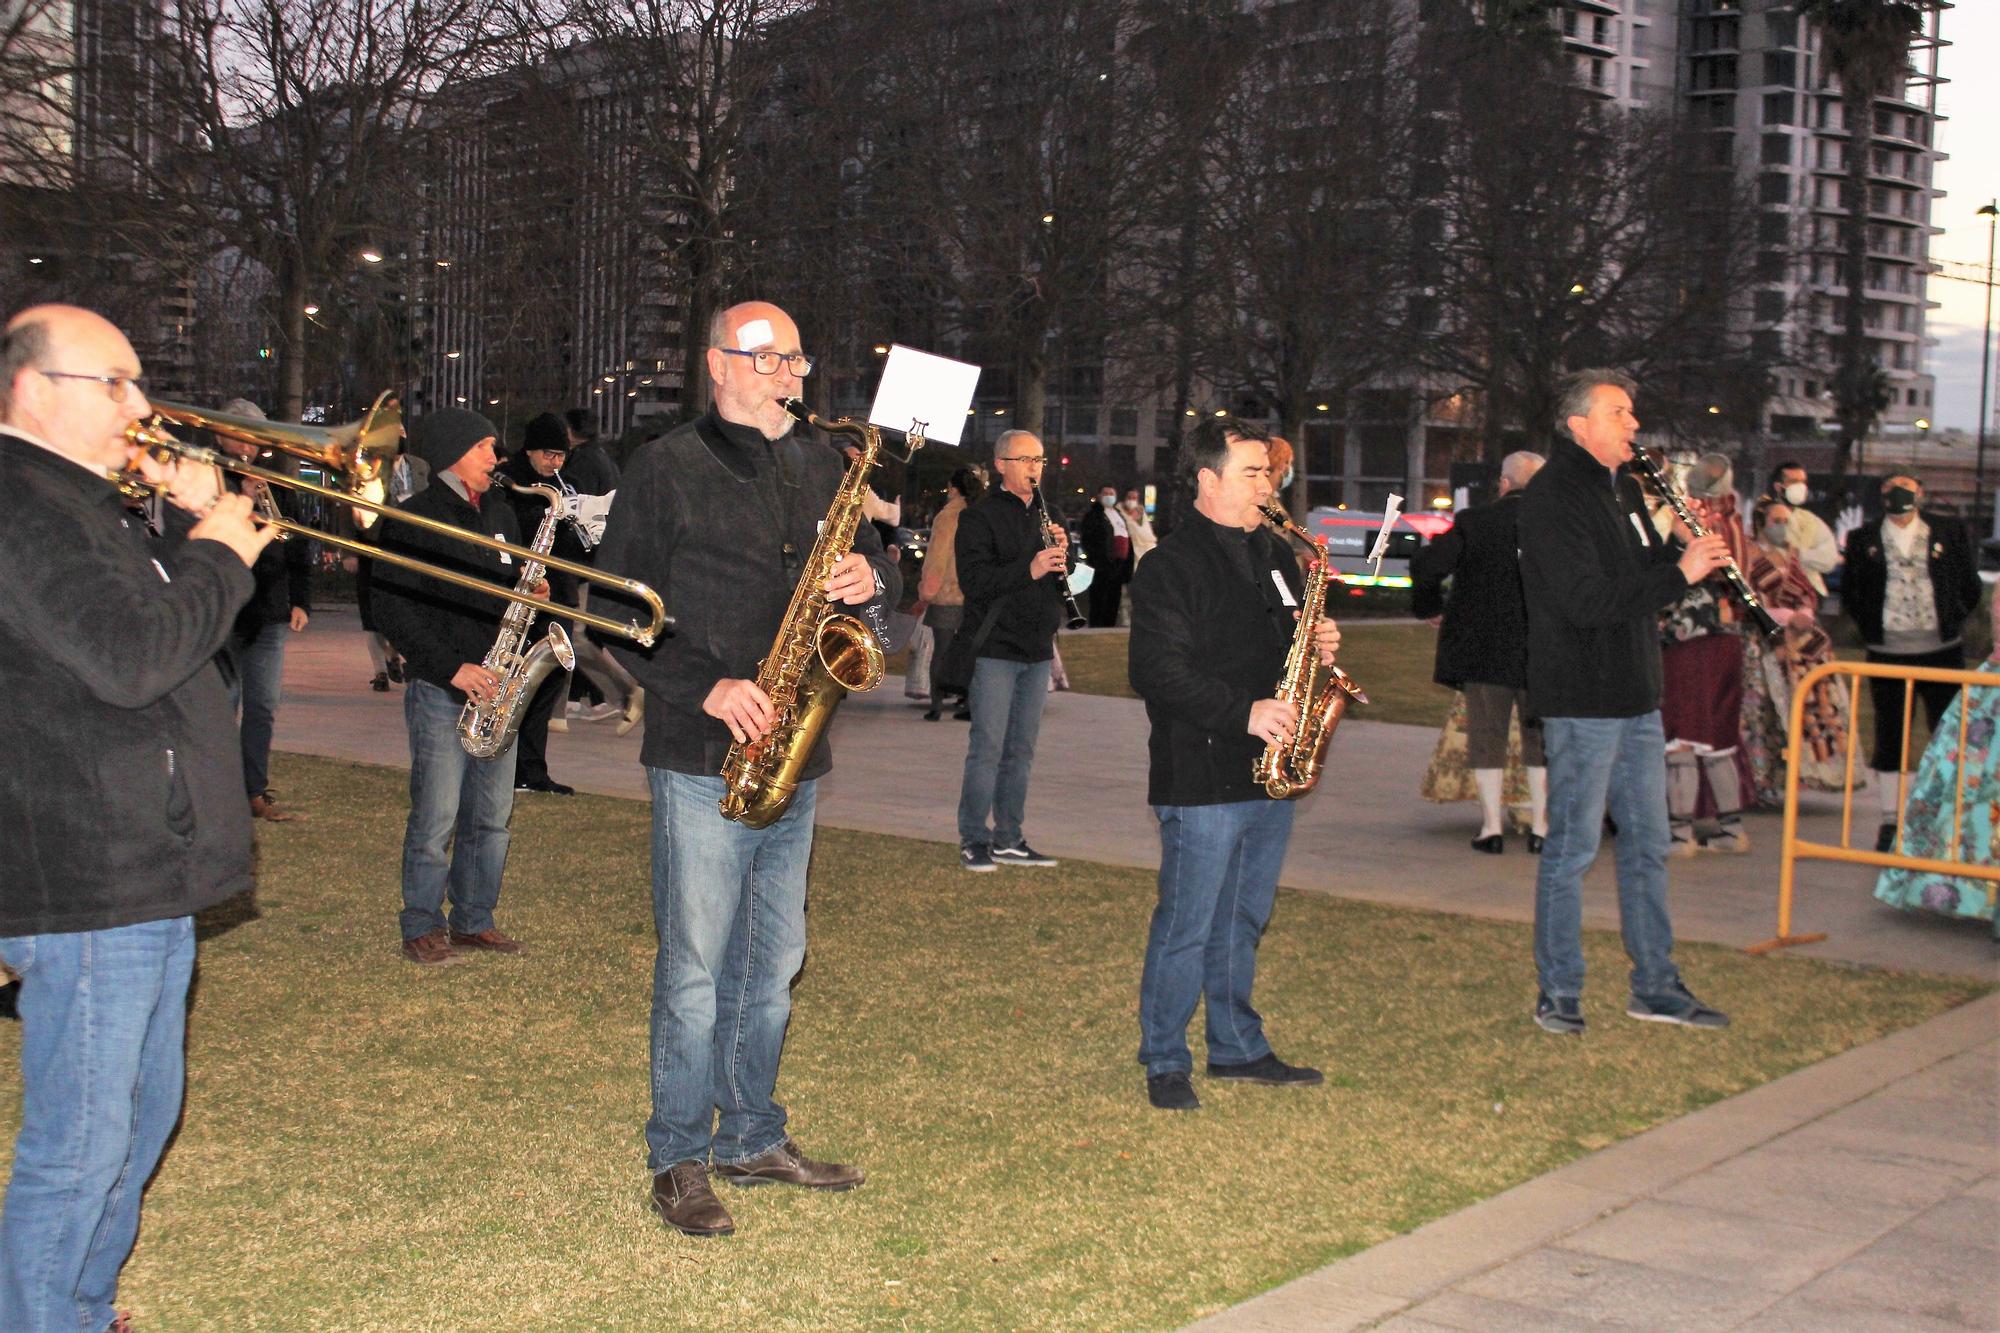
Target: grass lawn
{"x":1392,"y":662}
{"x":371,"y":1146}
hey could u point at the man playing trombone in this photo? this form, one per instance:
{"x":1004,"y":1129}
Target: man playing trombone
{"x":121,"y":809}
{"x":455,"y":843}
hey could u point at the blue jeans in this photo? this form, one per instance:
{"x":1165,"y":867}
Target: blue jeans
{"x":1595,"y":762}
{"x":103,"y":1018}
{"x":1218,"y":876}
{"x":729,"y":910}
{"x":455,"y":844}
{"x":1006,"y":700}
{"x":260,"y":671}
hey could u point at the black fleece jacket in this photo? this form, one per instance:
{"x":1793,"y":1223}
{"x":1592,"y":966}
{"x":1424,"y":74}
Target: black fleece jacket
{"x":1596,"y":574}
{"x":1954,"y":578}
{"x":1207,"y":642}
{"x":437,"y":626}
{"x":704,"y":515}
{"x":121,"y":782}
{"x":1484,"y":636}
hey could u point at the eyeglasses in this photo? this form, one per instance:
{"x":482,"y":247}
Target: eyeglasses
{"x":1034,"y":459}
{"x":119,"y":387}
{"x":766,"y":363}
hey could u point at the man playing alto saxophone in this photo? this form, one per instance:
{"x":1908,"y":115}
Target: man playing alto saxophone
{"x":720,"y":515}
{"x":1213,"y":617}
{"x":444,"y":632}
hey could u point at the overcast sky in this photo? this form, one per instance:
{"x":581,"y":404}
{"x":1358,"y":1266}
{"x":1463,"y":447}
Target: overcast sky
{"x":1969,"y":177}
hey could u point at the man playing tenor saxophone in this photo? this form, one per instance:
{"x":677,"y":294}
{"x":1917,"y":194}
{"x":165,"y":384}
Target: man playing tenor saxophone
{"x":1213,"y":619}
{"x":721,"y":516}
{"x":455,"y":843}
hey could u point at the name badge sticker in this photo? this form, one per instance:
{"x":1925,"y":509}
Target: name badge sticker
{"x":1639,"y":526}
{"x":1284,"y":588}
{"x":505,"y":558}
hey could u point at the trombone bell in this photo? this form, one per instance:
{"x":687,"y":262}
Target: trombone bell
{"x":358,"y":453}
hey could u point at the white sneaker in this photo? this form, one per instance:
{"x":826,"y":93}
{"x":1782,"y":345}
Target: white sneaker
{"x":1732,"y":841}
{"x":558,"y":724}
{"x":603,"y":712}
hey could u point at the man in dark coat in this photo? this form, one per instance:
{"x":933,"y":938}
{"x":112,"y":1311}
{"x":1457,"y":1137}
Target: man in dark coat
{"x":1214,"y":615}
{"x":1107,"y":547}
{"x":455,"y":841}
{"x":1597,"y":575}
{"x":1483,"y":645}
{"x":720,"y":517}
{"x":1911,"y":582}
{"x":121,"y":800}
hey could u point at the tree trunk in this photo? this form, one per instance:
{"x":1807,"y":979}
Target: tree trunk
{"x":1854,"y":397}
{"x":292,"y":346}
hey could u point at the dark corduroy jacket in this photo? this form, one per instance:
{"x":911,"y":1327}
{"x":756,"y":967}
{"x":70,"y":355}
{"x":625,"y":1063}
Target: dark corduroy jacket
{"x":121,"y":783}
{"x":703,"y":515}
{"x":1206,"y":644}
{"x":1596,"y":575}
{"x":437,"y":626}
{"x":1484,"y":637}
{"x":1955,"y":587}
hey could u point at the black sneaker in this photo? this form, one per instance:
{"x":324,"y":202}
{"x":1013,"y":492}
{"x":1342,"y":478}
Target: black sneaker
{"x":1021,"y":854}
{"x":547,"y":786}
{"x":975,"y":856}
{"x":1172,"y":1092}
{"x":1268,"y":1070}
{"x":1885,"y":838}
{"x":1677,"y":1006}
{"x":1563,"y":1015}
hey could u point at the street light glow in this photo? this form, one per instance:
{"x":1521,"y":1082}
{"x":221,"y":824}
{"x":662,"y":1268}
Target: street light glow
{"x":453,"y":354}
{"x":371,"y":256}
{"x":312,"y":310}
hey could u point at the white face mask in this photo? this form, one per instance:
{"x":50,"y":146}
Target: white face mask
{"x":1795,"y":494}
{"x":1107,"y":500}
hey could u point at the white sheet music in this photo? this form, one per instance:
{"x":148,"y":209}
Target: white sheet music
{"x":931,"y":391}
{"x":1381,"y":547}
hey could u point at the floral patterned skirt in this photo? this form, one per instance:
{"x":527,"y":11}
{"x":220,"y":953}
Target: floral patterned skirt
{"x":1927,"y":816}
{"x":1448,"y":779}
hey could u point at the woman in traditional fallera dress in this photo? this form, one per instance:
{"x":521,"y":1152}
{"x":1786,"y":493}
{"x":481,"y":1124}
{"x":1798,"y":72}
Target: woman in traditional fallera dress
{"x":1927,"y":814}
{"x":1772,"y":669}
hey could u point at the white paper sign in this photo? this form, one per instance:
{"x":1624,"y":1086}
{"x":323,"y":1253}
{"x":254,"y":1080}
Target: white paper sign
{"x":919,"y":387}
{"x":1381,"y":547}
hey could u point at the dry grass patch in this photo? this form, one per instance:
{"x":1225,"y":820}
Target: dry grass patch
{"x":373,"y":1146}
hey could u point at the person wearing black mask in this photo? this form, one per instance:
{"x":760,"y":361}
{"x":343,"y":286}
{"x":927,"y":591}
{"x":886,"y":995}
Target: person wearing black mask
{"x":1910,"y":584}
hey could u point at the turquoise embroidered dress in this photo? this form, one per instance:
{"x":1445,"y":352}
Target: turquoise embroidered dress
{"x":1927,"y":816}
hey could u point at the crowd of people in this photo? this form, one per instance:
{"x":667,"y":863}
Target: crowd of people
{"x":142,"y":810}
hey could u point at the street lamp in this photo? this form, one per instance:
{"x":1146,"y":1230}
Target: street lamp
{"x":1991,"y":212}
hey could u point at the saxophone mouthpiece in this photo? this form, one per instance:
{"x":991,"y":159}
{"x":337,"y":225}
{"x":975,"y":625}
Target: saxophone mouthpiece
{"x":796,"y":408}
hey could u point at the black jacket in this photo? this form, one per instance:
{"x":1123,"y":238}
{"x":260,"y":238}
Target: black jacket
{"x":1206,"y":644}
{"x":1596,"y":574}
{"x":703,"y":515}
{"x":1098,"y":536}
{"x":121,"y":782}
{"x":1864,"y":585}
{"x":436,"y":626}
{"x":283,"y":574}
{"x":590,"y":469}
{"x":529,"y":510}
{"x":1484,"y":637}
{"x":999,"y":536}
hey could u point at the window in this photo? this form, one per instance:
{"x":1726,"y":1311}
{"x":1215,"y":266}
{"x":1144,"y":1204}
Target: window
{"x":1780,"y":109}
{"x":1774,"y":187}
{"x":1124,"y":422}
{"x":1781,"y":67}
{"x":1777,"y":150}
{"x":1052,"y":422}
{"x":1125,"y":461}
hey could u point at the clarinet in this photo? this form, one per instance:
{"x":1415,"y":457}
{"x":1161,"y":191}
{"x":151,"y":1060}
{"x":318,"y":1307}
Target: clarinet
{"x":1077,"y":619}
{"x":1730,"y":570}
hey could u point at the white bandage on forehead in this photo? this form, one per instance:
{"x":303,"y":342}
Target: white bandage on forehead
{"x":753,"y":335}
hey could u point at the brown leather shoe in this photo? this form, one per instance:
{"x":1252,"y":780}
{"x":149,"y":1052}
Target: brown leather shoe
{"x":488,"y":939}
{"x":685,"y":1201}
{"x":263,"y":807}
{"x":787,"y":1165}
{"x":431,"y":948}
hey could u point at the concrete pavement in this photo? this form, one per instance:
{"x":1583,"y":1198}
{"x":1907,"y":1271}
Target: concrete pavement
{"x":1859,"y":1193}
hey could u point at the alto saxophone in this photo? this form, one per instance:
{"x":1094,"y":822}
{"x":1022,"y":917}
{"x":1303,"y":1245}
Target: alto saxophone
{"x":487,"y":729}
{"x":1290,"y":769}
{"x":819,"y":657}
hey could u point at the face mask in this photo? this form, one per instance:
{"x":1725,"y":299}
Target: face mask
{"x":1900,"y":500}
{"x":1795,"y":494}
{"x":1285,"y":482}
{"x":1108,"y":500}
{"x":1774,"y":533}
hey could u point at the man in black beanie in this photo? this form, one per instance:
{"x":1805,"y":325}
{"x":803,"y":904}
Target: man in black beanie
{"x":444,"y":632}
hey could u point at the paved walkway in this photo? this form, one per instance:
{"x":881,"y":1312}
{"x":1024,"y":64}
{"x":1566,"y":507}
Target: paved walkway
{"x":1859,"y":1193}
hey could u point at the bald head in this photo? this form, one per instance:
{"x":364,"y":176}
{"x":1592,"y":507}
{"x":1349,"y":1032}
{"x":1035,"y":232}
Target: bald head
{"x":741,"y":337}
{"x":68,"y":379}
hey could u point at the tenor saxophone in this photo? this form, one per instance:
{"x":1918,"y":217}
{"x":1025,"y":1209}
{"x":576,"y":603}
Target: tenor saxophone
{"x":487,"y":729}
{"x":820,"y":656}
{"x":1289,"y":769}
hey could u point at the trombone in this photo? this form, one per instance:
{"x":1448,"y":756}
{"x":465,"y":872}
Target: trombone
{"x":359,"y":452}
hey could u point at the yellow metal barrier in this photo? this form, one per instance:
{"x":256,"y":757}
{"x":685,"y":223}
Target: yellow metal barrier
{"x":1796,"y":848}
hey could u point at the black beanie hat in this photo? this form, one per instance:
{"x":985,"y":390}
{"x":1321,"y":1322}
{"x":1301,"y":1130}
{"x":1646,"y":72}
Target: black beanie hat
{"x":546,"y":432}
{"x":448,"y":434}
